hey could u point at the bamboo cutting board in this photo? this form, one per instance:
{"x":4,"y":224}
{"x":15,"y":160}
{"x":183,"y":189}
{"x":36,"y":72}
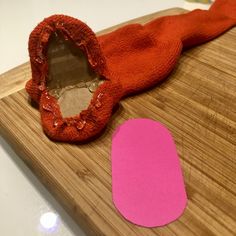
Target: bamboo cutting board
{"x":198,"y":105}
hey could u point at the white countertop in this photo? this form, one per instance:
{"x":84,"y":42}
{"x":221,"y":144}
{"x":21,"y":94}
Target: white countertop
{"x":26,"y":207}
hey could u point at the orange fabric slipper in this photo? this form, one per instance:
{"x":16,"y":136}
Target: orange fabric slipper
{"x":128,"y":60}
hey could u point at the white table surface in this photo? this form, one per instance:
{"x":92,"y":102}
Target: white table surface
{"x":24,"y":201}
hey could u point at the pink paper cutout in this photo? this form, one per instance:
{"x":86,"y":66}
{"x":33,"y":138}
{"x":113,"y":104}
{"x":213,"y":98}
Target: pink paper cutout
{"x":147,"y":182}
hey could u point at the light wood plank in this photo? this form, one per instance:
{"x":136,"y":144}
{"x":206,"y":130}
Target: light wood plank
{"x":198,"y":105}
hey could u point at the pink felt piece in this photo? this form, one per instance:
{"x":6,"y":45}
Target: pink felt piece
{"x":147,"y":182}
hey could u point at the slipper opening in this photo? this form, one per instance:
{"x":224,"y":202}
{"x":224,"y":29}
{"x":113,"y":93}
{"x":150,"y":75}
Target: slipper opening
{"x":70,"y":77}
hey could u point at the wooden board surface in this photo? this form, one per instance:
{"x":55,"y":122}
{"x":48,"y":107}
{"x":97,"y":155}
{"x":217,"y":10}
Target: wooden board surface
{"x":197,"y":103}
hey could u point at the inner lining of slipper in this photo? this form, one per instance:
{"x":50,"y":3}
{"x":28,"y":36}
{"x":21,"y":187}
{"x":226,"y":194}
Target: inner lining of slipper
{"x":70,"y":79}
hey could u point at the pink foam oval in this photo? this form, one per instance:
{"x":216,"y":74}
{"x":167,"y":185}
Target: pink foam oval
{"x":147,"y":182}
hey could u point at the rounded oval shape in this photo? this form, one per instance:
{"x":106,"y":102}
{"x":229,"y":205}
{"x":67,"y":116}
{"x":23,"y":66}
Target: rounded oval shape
{"x":147,"y":182}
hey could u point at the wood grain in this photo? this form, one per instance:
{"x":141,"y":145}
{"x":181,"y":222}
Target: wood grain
{"x":198,"y":105}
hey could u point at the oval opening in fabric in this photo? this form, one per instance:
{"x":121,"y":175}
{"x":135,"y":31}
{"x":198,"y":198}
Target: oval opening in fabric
{"x":147,"y":182}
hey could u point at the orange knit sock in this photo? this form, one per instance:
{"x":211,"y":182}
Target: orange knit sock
{"x":130,"y":59}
